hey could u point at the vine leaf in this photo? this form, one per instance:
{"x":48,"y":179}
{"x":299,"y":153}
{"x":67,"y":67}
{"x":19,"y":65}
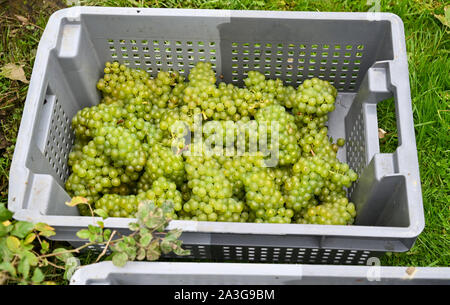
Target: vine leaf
{"x":13,"y":244}
{"x":5,"y":214}
{"x":102,"y":213}
{"x":38,"y":276}
{"x":45,"y":246}
{"x":44,"y":229}
{"x":8,"y":267}
{"x":29,"y":239}
{"x":120,"y":259}
{"x":83,"y":234}
{"x":153,"y":251}
{"x":24,"y":267}
{"x":62,"y":254}
{"x":72,"y":264}
{"x":76,"y":201}
{"x":22,"y":229}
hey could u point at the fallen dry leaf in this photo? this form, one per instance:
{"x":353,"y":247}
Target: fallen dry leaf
{"x":411,"y":271}
{"x":14,"y":72}
{"x":22,"y":19}
{"x":444,"y":19}
{"x":13,"y":32}
{"x":381,"y":133}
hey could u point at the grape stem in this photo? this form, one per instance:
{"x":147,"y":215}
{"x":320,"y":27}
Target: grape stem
{"x":106,"y":246}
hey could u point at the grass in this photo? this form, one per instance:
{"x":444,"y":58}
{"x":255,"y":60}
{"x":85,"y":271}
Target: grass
{"x":428,"y":57}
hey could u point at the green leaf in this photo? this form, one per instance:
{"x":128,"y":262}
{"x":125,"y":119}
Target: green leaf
{"x":83,"y":234}
{"x":76,"y":201}
{"x":145,"y":239}
{"x":106,"y":234}
{"x":133,"y":226}
{"x":120,"y":259}
{"x":102,"y":213}
{"x":121,"y":246}
{"x":152,"y":221}
{"x":38,"y":276}
{"x":173,"y":235}
{"x":167,"y":207}
{"x":129,"y":240}
{"x":3,"y":230}
{"x":180,"y":251}
{"x":8,"y":267}
{"x":32,"y":259}
{"x":13,"y":243}
{"x":101,"y":224}
{"x":24,"y":267}
{"x":22,"y":228}
{"x":45,"y":246}
{"x":153,"y":251}
{"x":166,"y":246}
{"x":5,"y":214}
{"x":62,"y":254}
{"x":140,"y":255}
{"x":71,"y":266}
{"x":29,"y":239}
{"x":92,"y":229}
{"x":44,"y":229}
{"x":92,"y":237}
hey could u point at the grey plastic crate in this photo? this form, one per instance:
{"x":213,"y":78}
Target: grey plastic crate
{"x":364,"y":58}
{"x":159,"y":273}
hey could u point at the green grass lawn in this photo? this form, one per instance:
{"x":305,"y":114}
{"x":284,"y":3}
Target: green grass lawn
{"x":427,"y":42}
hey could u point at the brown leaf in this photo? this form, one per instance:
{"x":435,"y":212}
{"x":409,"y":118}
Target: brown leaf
{"x":381,"y":133}
{"x":444,"y":19}
{"x":14,"y":72}
{"x":411,"y":271}
{"x":22,"y":19}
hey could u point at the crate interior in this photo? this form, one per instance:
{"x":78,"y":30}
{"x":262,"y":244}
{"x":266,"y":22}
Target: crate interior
{"x":340,"y":51}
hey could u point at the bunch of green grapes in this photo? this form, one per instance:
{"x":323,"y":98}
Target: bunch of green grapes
{"x":162,"y":190}
{"x":122,"y":146}
{"x":315,"y":96}
{"x":122,"y":83}
{"x":267,"y":91}
{"x":336,"y":212}
{"x":276,"y":116}
{"x":317,"y":177}
{"x":92,"y":174}
{"x":88,"y":120}
{"x":162,"y":162}
{"x":264,"y":198}
{"x":176,"y":127}
{"x":236,"y":167}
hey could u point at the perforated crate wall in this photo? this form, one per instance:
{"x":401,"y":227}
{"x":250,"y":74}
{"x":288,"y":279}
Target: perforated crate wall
{"x":293,"y":62}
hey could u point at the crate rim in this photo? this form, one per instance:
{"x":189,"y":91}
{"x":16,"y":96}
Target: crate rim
{"x":348,"y":274}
